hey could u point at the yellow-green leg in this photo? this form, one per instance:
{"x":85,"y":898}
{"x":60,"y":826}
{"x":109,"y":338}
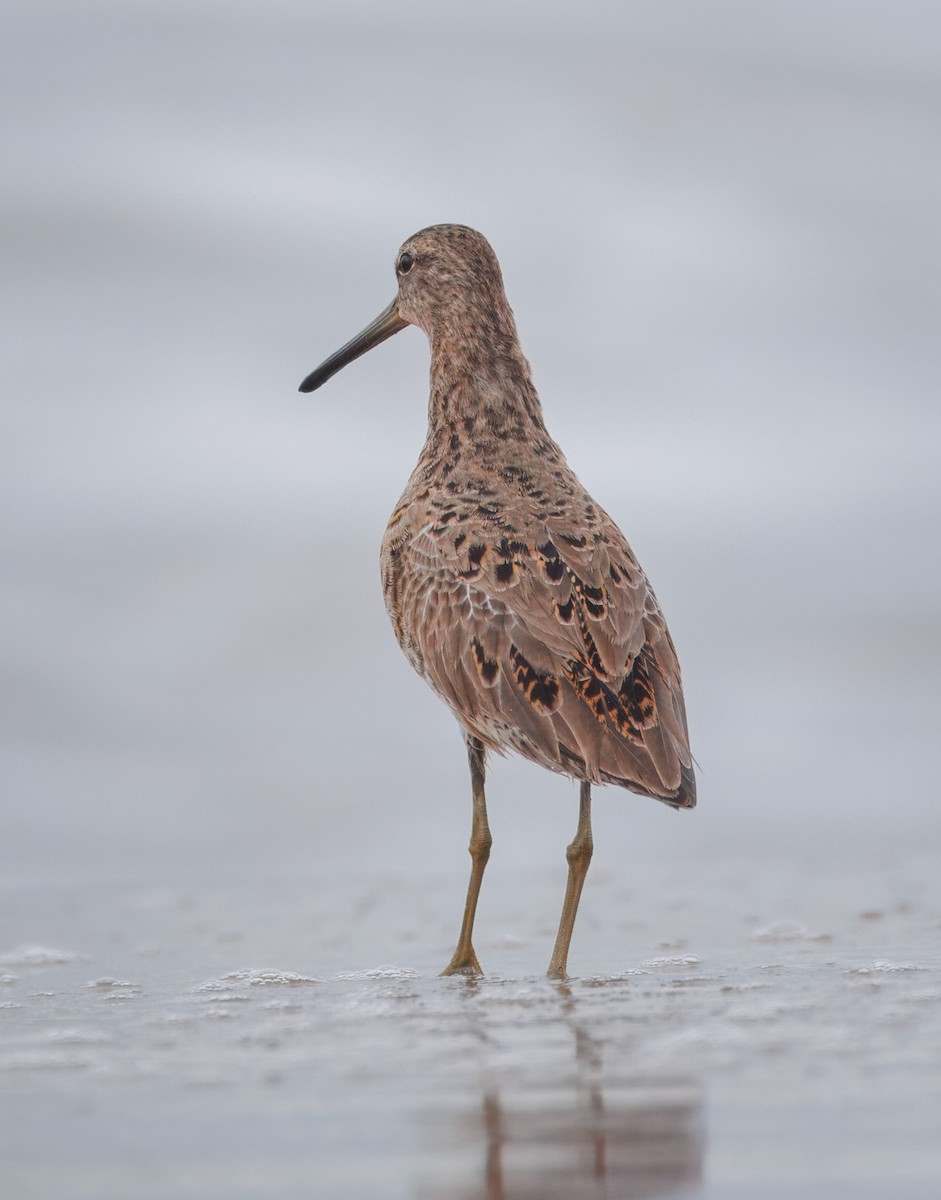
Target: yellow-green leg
{"x":579,"y":857}
{"x":464,"y":960}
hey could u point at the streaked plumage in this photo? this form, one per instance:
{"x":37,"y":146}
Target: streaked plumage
{"x":511,"y":591}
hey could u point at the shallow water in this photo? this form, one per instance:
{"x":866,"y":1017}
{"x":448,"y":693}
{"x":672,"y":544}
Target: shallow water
{"x":771,"y":1031}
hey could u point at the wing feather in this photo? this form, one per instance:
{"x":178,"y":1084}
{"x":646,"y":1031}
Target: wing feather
{"x":547,"y":640}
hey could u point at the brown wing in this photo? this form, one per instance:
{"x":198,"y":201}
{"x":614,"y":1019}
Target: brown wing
{"x":549,"y":641}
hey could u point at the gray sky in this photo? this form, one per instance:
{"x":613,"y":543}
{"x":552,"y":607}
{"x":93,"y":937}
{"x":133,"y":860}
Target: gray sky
{"x":718,"y":227}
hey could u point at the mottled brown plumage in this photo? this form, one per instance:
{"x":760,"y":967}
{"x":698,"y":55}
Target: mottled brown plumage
{"x":510,"y":590}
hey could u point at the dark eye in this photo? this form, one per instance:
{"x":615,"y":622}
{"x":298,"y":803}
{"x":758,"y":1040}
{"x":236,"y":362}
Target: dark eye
{"x":405,"y":263}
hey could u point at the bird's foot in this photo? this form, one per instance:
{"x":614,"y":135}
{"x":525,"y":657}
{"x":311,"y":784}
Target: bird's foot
{"x":463,"y":964}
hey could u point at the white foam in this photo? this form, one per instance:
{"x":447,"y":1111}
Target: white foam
{"x":254,"y":978}
{"x":788,"y":931}
{"x":677,"y":962}
{"x":884,"y":968}
{"x":36,"y":956}
{"x":378,"y":973}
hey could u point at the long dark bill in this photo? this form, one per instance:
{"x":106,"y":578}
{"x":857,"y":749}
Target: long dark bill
{"x":387,"y":323}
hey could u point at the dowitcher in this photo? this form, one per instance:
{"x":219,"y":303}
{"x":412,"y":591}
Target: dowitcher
{"x":510,"y":590}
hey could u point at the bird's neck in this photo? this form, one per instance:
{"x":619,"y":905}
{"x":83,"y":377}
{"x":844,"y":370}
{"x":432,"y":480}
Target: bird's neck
{"x":482,"y":382}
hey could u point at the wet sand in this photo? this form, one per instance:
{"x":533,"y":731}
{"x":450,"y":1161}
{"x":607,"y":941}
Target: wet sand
{"x":768,"y":1030}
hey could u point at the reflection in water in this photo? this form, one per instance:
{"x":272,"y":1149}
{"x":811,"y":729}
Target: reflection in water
{"x":564,"y":1126}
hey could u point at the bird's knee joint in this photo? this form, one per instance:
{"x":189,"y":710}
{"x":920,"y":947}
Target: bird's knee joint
{"x":579,"y":852}
{"x":479,"y":848}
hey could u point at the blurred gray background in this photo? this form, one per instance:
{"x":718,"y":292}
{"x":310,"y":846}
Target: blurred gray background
{"x":719,"y":230}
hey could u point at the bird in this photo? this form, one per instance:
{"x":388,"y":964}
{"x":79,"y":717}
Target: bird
{"x":510,"y":590}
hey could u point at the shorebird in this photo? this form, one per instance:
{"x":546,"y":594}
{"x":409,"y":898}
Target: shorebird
{"x":511,"y":592}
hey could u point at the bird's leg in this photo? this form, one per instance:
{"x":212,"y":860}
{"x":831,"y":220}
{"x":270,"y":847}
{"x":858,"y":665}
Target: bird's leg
{"x":464,"y":960}
{"x":579,"y":857}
